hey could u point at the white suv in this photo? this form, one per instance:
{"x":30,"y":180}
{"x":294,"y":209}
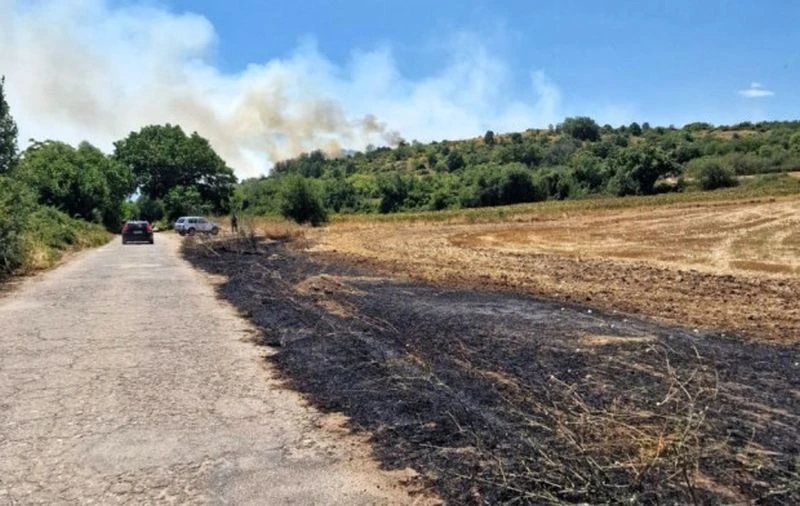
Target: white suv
{"x":195,"y":224}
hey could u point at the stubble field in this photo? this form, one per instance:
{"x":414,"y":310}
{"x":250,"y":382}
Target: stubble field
{"x":726,"y":265}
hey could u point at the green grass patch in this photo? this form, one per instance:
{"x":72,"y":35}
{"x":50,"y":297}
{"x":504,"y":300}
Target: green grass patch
{"x":50,"y":233}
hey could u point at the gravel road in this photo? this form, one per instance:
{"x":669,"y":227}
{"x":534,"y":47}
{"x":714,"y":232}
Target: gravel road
{"x":124,"y":380}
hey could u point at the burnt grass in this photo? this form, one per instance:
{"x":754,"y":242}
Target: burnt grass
{"x":498,"y":398}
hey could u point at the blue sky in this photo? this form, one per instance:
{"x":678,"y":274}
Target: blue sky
{"x":661,"y":61}
{"x":267,"y":80}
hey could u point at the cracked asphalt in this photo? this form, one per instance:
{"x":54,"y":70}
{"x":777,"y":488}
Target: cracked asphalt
{"x":124,"y":380}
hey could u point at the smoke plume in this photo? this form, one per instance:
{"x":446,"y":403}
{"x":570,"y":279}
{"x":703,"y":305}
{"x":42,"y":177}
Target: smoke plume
{"x":88,"y":70}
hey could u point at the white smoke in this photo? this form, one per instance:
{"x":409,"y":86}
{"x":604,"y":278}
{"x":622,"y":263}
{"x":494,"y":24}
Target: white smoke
{"x":86,"y":70}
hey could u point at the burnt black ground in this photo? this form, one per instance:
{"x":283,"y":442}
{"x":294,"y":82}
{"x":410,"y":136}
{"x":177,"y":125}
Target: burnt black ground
{"x":496,"y":397}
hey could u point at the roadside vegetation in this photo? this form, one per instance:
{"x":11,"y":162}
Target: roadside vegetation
{"x":575,"y":160}
{"x":55,"y":197}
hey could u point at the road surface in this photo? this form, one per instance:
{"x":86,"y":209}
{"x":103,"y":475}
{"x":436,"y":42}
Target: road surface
{"x":124,"y":380}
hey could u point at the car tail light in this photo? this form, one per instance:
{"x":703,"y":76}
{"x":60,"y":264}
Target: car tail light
{"x":149,"y":228}
{"x":125,"y":228}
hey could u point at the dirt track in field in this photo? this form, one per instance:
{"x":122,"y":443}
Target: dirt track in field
{"x":733,"y":266}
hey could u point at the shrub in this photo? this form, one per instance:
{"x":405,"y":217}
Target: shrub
{"x":712,"y":175}
{"x":301,"y":202}
{"x":15,"y":204}
{"x":581,"y":128}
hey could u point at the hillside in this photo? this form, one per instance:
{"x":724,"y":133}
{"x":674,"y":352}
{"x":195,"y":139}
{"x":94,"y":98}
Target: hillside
{"x":576,"y":159}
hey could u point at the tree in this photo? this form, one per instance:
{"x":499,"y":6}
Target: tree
{"x":8,"y":133}
{"x":164,"y":157}
{"x":394,"y":190}
{"x":634,"y":129}
{"x":582,"y":128}
{"x":149,"y":209}
{"x":16,"y":204}
{"x":454,"y":161}
{"x":185,"y":201}
{"x":638,"y":168}
{"x":301,"y":202}
{"x":488,"y":138}
{"x":82,"y":182}
{"x":340,"y":195}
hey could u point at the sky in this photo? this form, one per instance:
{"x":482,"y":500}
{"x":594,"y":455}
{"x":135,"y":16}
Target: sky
{"x":267,"y":80}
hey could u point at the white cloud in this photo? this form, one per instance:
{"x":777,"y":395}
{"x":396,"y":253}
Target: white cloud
{"x":756,"y":90}
{"x":84,"y":70}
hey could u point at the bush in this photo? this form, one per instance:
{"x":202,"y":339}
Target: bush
{"x":34,"y":236}
{"x":394,"y":190}
{"x":712,"y":176}
{"x":581,"y":128}
{"x":301,"y":202}
{"x":15,"y":205}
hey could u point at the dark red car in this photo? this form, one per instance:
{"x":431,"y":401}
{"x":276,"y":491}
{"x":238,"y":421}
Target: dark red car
{"x":137,"y":231}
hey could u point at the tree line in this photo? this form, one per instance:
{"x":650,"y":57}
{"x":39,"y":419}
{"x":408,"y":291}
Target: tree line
{"x":575,"y":159}
{"x":54,"y":191}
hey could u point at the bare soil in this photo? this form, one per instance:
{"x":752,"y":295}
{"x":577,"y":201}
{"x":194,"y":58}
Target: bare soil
{"x":497,"y":397}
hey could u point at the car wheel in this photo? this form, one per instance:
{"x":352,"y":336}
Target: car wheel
{"x":152,"y":241}
{"x":214,"y":231}
{"x":124,"y":242}
{"x":192,"y":231}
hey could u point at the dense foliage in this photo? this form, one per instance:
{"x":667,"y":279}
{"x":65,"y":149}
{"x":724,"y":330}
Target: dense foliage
{"x":83,"y":183}
{"x":8,"y":133}
{"x":180,"y":172}
{"x":35,"y":236}
{"x":576,"y":159}
{"x":301,"y":202}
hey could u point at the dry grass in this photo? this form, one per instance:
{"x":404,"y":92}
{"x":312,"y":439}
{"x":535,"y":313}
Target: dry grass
{"x":731,"y":264}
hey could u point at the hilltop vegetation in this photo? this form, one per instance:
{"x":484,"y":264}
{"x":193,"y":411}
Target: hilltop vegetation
{"x":575,"y":159}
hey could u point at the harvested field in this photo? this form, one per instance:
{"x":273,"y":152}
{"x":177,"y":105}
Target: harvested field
{"x":732,"y":265}
{"x":496,"y":397}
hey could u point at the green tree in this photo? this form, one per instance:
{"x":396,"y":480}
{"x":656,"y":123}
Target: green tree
{"x":394,"y":190}
{"x":81,"y":182}
{"x":582,"y":128}
{"x":488,"y":138}
{"x":164,"y":157}
{"x":185,"y":201}
{"x":16,"y":204}
{"x":340,"y":195}
{"x":634,"y":129}
{"x":301,"y":202}
{"x":149,"y":209}
{"x":638,"y":168}
{"x":8,"y":133}
{"x":455,"y":161}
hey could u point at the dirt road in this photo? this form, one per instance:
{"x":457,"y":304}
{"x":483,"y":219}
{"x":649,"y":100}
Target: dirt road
{"x":124,"y":380}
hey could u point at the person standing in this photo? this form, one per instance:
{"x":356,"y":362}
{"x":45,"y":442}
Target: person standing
{"x":234,"y":223}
